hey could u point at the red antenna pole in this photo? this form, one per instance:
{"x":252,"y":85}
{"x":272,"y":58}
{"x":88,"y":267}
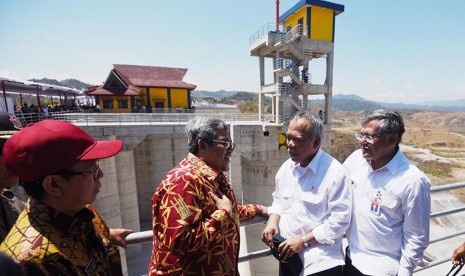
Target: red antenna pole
{"x":277,"y":15}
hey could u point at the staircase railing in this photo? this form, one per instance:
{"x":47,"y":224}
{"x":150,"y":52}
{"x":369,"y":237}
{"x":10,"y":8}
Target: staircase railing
{"x":264,"y":30}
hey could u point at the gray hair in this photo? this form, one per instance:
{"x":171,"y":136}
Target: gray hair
{"x":315,"y":126}
{"x":390,"y":122}
{"x":203,"y":128}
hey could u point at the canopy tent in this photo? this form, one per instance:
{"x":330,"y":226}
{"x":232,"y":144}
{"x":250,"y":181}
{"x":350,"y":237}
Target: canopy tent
{"x":16,"y":86}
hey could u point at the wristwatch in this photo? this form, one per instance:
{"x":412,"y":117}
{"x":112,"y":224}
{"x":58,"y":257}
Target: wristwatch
{"x":259,"y":207}
{"x":304,"y":239}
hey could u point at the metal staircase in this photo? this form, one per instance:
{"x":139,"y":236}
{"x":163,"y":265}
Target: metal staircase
{"x":291,"y":51}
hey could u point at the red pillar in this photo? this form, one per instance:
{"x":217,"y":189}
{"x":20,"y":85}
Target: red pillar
{"x":4,"y":96}
{"x":38,"y":97}
{"x":277,"y":15}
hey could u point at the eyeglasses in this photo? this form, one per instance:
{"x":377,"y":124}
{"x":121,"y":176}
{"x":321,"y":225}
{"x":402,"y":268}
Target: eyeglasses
{"x":94,"y":171}
{"x":227,"y":144}
{"x":368,"y":138}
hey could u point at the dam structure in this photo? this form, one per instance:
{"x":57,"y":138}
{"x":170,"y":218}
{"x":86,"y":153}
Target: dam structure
{"x":152,"y":148}
{"x":155,"y":143}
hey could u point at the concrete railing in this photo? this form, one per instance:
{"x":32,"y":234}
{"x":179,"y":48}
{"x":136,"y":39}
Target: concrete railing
{"x":146,"y":236}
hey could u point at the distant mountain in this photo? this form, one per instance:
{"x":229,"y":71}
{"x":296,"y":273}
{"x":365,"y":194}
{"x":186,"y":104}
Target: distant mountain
{"x":444,"y":108}
{"x":353,"y":103}
{"x":71,"y":83}
{"x":47,"y":81}
{"x":343,"y":102}
{"x":348,"y":97}
{"x":221,"y":94}
{"x":460,"y":102}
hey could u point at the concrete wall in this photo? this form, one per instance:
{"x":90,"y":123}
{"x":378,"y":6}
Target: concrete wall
{"x":154,"y":157}
{"x":260,"y":159}
{"x":150,"y":152}
{"x":108,"y":202}
{"x":127,"y":192}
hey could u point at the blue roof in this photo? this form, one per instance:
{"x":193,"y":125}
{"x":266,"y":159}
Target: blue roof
{"x":324,"y":4}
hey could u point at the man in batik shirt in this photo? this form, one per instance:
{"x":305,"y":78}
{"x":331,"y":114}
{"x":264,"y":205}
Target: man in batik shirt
{"x":195,"y":212}
{"x":59,"y":233}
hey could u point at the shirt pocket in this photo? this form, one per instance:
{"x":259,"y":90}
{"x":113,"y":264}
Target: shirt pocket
{"x":390,"y":204}
{"x":312,"y":201}
{"x":285,"y":198}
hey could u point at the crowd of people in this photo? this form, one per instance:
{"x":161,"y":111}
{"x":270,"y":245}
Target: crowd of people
{"x":31,"y":113}
{"x":377,"y":198}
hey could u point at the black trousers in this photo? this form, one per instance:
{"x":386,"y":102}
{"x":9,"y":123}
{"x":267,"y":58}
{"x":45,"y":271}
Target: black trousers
{"x":349,"y":269}
{"x":284,"y":270}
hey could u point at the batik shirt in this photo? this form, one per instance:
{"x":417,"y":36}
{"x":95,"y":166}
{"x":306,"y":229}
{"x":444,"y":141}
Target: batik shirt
{"x":57,"y":244}
{"x":191,"y":236}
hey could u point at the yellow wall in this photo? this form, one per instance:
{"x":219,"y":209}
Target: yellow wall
{"x":159,"y":94}
{"x":179,"y":98}
{"x":282,"y":145}
{"x":321,"y":24}
{"x":115,"y":108}
{"x":143,"y":96}
{"x":293,"y":18}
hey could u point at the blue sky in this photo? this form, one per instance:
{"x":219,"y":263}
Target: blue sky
{"x":394,"y":51}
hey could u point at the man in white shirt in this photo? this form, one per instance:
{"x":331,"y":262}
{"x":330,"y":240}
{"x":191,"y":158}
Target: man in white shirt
{"x":312,"y":202}
{"x":390,"y":220}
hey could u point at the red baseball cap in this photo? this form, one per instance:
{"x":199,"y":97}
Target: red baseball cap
{"x":50,"y":146}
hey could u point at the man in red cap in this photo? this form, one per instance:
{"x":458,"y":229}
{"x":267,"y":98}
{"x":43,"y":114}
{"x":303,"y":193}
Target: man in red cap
{"x":58,"y":230}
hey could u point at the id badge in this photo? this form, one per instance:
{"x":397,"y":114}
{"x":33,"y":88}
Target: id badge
{"x":375,"y":205}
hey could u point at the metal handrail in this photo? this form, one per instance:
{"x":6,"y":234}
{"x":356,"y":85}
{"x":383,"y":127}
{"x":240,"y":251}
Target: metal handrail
{"x":119,"y":119}
{"x":447,"y":187}
{"x":146,"y":236}
{"x":264,"y":30}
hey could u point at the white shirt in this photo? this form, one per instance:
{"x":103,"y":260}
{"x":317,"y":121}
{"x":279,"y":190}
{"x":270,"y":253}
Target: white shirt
{"x":315,"y":198}
{"x":390,"y":218}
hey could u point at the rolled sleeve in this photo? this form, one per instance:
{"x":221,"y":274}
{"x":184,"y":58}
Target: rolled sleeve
{"x":275,"y":207}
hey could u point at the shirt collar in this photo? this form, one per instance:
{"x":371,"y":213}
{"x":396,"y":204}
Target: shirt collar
{"x":393,"y":164}
{"x":312,"y":166}
{"x":204,"y":169}
{"x":62,"y":222}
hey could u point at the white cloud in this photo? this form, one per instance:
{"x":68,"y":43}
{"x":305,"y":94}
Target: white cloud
{"x":411,"y":87}
{"x":461,"y":89}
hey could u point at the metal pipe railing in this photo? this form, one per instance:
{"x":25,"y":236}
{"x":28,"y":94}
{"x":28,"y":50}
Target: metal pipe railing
{"x":146,"y":236}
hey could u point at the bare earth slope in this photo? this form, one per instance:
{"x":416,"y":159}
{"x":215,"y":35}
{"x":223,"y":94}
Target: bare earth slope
{"x":434,"y":141}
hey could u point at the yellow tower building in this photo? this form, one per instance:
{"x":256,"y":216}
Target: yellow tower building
{"x":305,"y":33}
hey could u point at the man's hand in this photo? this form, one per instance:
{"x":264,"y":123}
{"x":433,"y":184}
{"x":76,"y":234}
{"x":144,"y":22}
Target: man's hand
{"x":222,"y":202}
{"x":118,"y":236}
{"x":459,"y":255}
{"x":270,"y":230}
{"x":290,"y":246}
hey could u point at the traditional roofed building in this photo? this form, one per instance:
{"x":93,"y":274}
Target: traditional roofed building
{"x":130,"y":88}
